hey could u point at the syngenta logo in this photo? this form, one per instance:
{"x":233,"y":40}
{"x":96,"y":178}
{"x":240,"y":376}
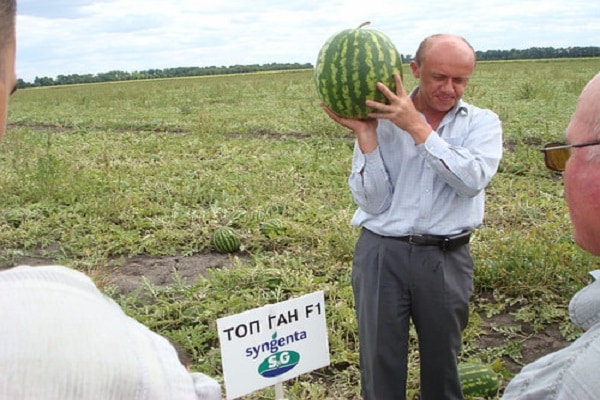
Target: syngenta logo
{"x":278,"y":362}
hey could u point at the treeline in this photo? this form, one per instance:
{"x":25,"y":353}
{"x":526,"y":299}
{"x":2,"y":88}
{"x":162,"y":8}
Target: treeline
{"x":111,"y":76}
{"x":539,"y":52}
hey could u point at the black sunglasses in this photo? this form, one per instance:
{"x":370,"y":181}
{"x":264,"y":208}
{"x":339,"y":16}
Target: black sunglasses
{"x":556,"y":154}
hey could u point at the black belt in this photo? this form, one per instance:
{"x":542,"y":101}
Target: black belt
{"x":444,"y":242}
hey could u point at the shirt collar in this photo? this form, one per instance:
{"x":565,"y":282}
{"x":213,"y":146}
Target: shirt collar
{"x":461,"y":108}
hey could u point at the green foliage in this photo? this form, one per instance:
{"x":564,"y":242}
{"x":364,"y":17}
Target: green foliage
{"x":102,"y":171}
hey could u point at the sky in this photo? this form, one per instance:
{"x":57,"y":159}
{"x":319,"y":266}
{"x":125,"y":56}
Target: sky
{"x":64,"y":37}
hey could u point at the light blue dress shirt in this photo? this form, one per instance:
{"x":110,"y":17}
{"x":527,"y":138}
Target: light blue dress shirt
{"x":436,"y":187}
{"x":572,"y":373}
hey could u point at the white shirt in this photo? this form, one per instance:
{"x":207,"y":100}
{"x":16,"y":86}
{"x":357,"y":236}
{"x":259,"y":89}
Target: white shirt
{"x":436,"y":187}
{"x":61,"y":338}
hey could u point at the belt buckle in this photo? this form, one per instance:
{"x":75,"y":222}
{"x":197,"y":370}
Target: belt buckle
{"x":411,"y":240}
{"x":445,"y":245}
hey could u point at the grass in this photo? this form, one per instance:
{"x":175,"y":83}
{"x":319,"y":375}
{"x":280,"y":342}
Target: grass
{"x":98,"y":171}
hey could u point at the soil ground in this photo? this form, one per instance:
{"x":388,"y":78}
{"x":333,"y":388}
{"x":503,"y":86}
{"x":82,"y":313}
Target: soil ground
{"x":128,"y":275}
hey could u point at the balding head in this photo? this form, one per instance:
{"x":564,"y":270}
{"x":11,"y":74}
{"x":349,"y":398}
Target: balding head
{"x":441,"y":40}
{"x":585,"y":122}
{"x":582,"y":173}
{"x":443,"y":65}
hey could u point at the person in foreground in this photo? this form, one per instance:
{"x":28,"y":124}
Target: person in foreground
{"x":8,"y":77}
{"x":419,"y":171}
{"x":573,"y":373}
{"x":61,"y":338}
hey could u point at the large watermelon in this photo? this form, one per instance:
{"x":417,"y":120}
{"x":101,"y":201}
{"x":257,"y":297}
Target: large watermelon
{"x":349,"y":66}
{"x":478,"y":380}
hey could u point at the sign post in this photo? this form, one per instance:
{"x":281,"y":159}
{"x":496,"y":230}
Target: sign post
{"x":271,"y":344}
{"x":279,"y":391}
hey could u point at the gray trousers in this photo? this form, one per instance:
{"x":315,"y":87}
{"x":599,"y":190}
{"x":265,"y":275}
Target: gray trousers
{"x":394,"y":282}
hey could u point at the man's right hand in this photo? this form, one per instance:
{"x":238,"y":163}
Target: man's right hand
{"x":364,"y":129}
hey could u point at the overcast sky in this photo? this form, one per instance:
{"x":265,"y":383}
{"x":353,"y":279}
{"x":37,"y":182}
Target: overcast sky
{"x":89,"y":36}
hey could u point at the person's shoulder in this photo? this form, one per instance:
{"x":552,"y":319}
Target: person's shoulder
{"x":42,"y":271}
{"x":584,"y":307}
{"x":477,"y":113}
{"x":206,"y":388}
{"x":46,"y":275}
{"x":473,"y":109}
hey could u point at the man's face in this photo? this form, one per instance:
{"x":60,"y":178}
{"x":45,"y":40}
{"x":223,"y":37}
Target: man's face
{"x":443,"y":75}
{"x":582,"y":182}
{"x":8,"y":82}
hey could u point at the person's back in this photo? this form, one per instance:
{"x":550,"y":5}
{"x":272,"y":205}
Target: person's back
{"x":574,"y":372}
{"x":570,"y":373}
{"x":61,"y":338}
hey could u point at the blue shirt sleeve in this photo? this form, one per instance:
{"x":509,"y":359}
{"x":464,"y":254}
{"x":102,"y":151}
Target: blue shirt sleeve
{"x":467,"y":163}
{"x":369,"y":182}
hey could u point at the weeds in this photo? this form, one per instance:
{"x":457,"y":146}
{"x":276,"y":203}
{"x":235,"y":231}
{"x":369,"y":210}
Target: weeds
{"x":93,"y":172}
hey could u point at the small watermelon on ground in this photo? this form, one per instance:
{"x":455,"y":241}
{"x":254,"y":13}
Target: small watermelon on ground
{"x":225,"y":240}
{"x":272,"y":228}
{"x":348,"y":67}
{"x":257,"y":215}
{"x":478,"y":380}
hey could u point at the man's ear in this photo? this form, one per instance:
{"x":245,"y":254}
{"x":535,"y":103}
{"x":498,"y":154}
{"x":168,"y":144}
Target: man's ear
{"x":415,"y":69}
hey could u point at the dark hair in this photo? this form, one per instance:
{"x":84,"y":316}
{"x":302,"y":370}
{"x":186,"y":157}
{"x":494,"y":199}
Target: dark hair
{"x":427,"y":41}
{"x":8,"y":12}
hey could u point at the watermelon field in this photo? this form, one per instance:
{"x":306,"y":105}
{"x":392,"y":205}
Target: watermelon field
{"x":114,"y":179}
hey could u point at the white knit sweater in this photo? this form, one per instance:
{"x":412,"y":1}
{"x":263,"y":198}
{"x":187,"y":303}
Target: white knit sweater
{"x":61,"y":338}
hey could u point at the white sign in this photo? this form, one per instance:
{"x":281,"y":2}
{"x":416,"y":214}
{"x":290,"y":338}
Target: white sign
{"x":271,"y":344}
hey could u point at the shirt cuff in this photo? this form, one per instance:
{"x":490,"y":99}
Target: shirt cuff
{"x":373,"y":159}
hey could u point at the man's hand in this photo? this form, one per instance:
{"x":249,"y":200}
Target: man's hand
{"x":364,"y":129}
{"x":401,"y":111}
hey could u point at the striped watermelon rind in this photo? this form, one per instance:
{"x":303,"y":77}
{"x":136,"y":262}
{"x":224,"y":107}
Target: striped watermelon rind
{"x":348,"y":67}
{"x":478,"y":380}
{"x":272,"y":228}
{"x":225,"y":240}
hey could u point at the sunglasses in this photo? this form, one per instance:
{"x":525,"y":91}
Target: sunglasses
{"x":556,"y":154}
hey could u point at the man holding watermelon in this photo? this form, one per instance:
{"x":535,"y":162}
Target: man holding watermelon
{"x":420,"y":167}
